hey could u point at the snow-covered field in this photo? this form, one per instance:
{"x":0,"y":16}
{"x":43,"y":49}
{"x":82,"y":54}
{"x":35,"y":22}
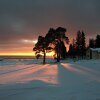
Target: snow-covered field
{"x":68,"y":80}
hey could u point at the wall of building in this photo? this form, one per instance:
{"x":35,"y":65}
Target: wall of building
{"x":92,"y":54}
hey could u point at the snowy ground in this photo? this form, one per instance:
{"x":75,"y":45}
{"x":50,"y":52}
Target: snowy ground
{"x":68,"y":80}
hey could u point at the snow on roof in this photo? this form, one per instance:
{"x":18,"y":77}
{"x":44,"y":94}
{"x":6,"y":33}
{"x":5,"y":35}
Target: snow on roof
{"x":95,"y":49}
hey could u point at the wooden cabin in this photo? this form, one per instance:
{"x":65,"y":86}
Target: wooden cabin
{"x":93,"y":53}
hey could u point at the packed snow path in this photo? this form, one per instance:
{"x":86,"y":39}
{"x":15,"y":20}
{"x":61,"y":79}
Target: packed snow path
{"x":24,"y":80}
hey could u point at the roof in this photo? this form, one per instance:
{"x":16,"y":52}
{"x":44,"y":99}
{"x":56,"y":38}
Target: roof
{"x":95,"y":49}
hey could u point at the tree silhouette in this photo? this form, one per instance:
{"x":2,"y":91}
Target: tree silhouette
{"x":56,"y":37}
{"x":72,"y":49}
{"x":91,"y":43}
{"x":83,"y":43}
{"x":97,"y":41}
{"x":63,"y":50}
{"x":54,"y":40}
{"x":41,"y":47}
{"x":61,"y":37}
{"x":80,"y":44}
{"x":70,"y":52}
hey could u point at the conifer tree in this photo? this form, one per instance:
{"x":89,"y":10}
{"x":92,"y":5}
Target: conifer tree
{"x":97,"y":41}
{"x":91,"y":43}
{"x":83,"y":43}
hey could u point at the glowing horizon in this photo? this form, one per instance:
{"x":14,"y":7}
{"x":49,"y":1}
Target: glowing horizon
{"x":17,"y":54}
{"x":24,"y":54}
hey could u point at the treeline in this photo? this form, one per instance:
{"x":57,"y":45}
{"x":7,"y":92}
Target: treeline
{"x":78,"y":46}
{"x":95,"y":43}
{"x":56,"y":39}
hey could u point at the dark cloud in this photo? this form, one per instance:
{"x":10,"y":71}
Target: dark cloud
{"x":26,"y":19}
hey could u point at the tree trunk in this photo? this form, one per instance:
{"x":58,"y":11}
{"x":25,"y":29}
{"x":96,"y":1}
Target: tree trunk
{"x":58,"y":54}
{"x":58,"y":60}
{"x":44,"y":56}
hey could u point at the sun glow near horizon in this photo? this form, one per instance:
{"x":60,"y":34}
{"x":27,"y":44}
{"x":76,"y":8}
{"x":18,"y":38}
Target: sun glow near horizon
{"x":17,"y":54}
{"x":23,"y":54}
{"x":23,"y":51}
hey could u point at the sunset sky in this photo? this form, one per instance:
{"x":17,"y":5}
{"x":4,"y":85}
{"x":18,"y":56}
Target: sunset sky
{"x":22,"y":21}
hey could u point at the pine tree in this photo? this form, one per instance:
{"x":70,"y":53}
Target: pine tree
{"x":91,"y":43}
{"x":70,"y":52}
{"x":78,"y":44}
{"x":63,"y":50}
{"x":56,"y":37}
{"x":83,"y":43}
{"x":72,"y":49}
{"x":42,"y":46}
{"x":97,"y":41}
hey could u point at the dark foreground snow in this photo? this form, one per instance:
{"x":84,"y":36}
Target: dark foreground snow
{"x":68,"y":80}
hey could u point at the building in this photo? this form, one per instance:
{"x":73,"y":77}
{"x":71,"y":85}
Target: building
{"x":93,"y":53}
